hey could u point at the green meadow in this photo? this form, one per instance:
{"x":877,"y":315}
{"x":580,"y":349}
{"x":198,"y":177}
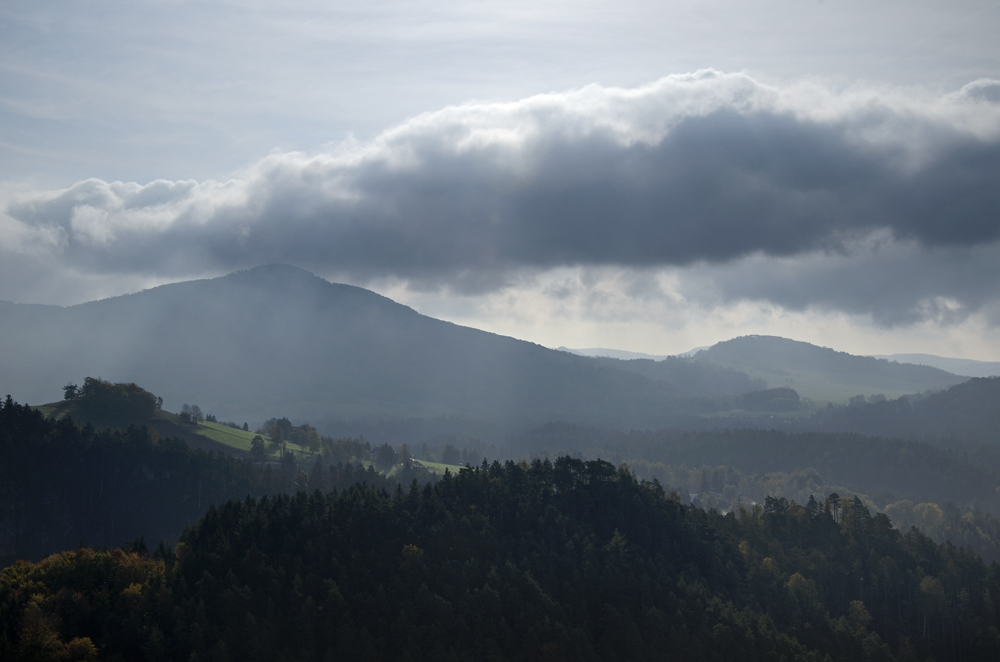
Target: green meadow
{"x":168,"y":424}
{"x":438,"y":468}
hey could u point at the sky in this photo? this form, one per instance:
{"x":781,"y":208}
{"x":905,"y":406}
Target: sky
{"x":641,"y":176}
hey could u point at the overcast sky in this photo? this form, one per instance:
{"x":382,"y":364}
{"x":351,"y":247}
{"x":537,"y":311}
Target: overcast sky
{"x":633,"y":175}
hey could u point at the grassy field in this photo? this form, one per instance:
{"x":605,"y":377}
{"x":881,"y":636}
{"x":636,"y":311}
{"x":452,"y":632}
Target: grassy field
{"x":227,"y":435}
{"x":55,"y":410}
{"x":168,"y":424}
{"x":821,"y":388}
{"x":438,"y":468}
{"x":240,"y":439}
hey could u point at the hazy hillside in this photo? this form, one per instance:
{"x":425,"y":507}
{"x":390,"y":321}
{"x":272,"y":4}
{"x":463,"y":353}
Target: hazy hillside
{"x":823,"y":374}
{"x":884,"y":469}
{"x":277,"y":340}
{"x":689,"y":375}
{"x":963,"y":367}
{"x":967,"y":411}
{"x":622,"y":354}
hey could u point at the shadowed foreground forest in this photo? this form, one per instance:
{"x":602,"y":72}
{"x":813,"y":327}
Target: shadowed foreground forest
{"x":63,"y":486}
{"x":568,"y":560}
{"x":564,"y":560}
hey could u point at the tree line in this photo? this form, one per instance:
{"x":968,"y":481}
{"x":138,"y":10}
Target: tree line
{"x":112,"y":403}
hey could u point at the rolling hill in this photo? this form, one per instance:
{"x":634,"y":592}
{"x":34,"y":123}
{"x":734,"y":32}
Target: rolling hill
{"x":962,"y":367}
{"x":822,"y":374}
{"x":969,"y":411}
{"x":277,"y":340}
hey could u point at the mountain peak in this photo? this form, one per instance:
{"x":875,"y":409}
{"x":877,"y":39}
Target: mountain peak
{"x":272,"y":271}
{"x":280,"y":275}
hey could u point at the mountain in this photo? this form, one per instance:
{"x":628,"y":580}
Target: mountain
{"x":277,"y":340}
{"x":823,"y":374}
{"x":818,"y":373}
{"x":963,"y":367}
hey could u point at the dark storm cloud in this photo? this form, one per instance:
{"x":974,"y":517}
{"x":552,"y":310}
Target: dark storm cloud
{"x":895,"y":284}
{"x":708,"y":168}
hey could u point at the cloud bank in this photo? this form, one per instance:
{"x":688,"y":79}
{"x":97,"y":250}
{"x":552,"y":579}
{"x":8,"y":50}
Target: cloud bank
{"x":868,"y":200}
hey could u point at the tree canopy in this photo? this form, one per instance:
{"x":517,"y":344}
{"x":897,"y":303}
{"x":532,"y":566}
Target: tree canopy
{"x":103,"y":400}
{"x":553,"y":560}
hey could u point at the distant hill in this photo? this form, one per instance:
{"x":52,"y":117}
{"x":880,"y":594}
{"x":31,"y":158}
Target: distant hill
{"x":964,"y":367}
{"x":279,"y":341}
{"x":613,"y":353}
{"x":626,"y":355}
{"x":817,"y":373}
{"x":969,"y":412}
{"x":699,"y":378}
{"x":823,"y":374}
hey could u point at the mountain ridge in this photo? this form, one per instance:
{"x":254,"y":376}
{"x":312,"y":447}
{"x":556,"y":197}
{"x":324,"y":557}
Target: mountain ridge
{"x":277,"y":340}
{"x":821,"y":373}
{"x":961,"y":367}
{"x":294,"y":344}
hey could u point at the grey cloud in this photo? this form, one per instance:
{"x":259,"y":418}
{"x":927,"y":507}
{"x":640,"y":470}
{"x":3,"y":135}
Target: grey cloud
{"x":709,"y":168}
{"x":983,"y":89}
{"x":895,"y":284}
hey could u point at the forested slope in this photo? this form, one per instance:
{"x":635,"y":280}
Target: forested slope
{"x":884,"y":468}
{"x":968,"y":411}
{"x":949,"y":492}
{"x":62,"y":486}
{"x":564,"y":560}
